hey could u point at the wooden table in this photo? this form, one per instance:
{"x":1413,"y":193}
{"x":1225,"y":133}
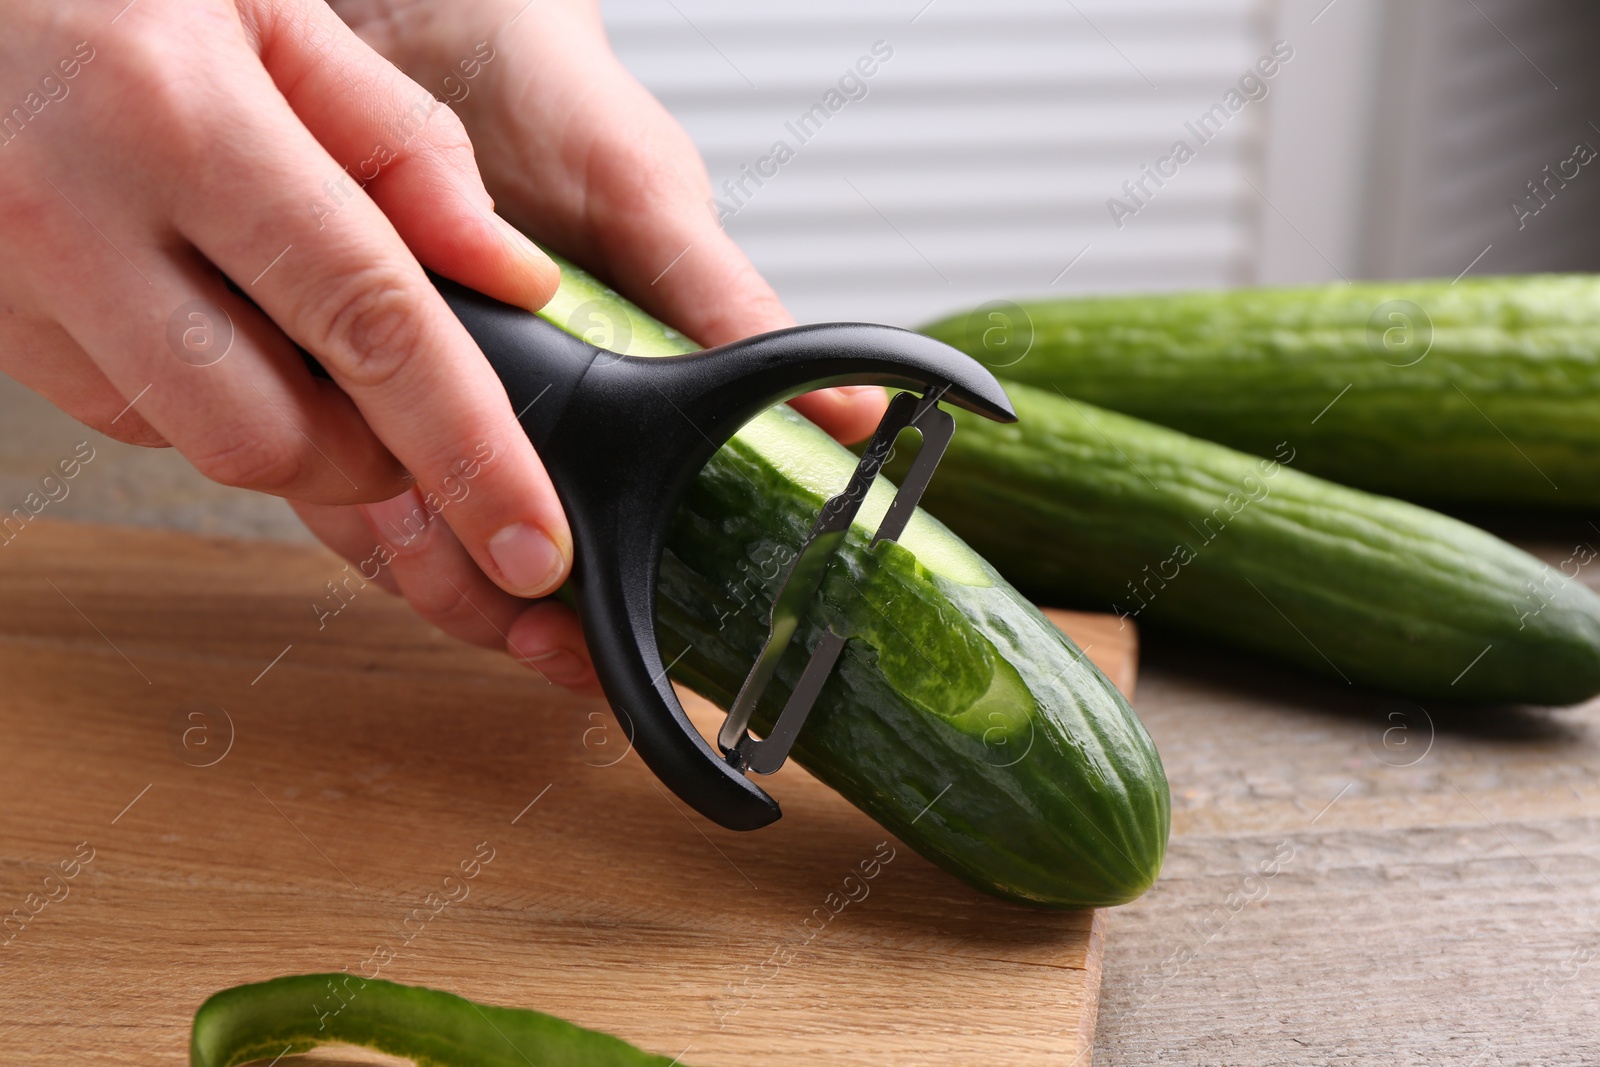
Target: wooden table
{"x":1437,"y":899}
{"x":209,"y":783}
{"x":1439,"y":905}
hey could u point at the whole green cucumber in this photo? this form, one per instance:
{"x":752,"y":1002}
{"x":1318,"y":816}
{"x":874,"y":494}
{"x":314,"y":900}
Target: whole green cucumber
{"x":1482,"y":391}
{"x":958,"y":716}
{"x":1082,"y":505}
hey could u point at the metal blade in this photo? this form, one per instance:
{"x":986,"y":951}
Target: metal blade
{"x":806,"y":573}
{"x":810,"y":567}
{"x":937,"y":428}
{"x":768,"y":754}
{"x":805,"y":576}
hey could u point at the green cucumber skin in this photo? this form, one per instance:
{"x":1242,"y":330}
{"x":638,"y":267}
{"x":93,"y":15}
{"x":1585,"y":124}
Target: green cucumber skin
{"x":1079,"y":819}
{"x":1504,"y":408}
{"x":1049,"y":792}
{"x":431,"y":1028}
{"x":1074,"y":503}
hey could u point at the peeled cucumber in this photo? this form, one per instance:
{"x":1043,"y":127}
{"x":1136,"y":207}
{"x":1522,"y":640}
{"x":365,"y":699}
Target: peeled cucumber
{"x":958,"y":716}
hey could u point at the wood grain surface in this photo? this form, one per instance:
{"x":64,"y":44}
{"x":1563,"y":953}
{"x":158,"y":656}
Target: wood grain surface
{"x":239,"y":794}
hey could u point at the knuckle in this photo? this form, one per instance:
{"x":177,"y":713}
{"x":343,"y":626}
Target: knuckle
{"x":143,"y":57}
{"x":448,"y":139}
{"x":369,"y":327}
{"x":265,"y":463}
{"x":178,"y":116}
{"x":446,"y":130}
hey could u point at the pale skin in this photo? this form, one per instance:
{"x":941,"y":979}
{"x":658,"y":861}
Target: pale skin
{"x":203,"y":138}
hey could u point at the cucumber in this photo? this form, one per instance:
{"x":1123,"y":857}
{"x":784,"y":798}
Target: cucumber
{"x":1082,"y":505}
{"x":958,"y":716}
{"x":1485,"y":391}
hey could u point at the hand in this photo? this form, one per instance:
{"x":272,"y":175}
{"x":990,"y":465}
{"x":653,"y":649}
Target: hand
{"x":154,"y":148}
{"x":581,"y":157}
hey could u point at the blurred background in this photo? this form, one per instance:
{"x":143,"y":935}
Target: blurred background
{"x":978,"y":158}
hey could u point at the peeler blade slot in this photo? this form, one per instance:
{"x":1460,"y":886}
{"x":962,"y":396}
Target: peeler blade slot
{"x":810,"y":567}
{"x":804,"y":576}
{"x":767,"y":755}
{"x":937,"y":428}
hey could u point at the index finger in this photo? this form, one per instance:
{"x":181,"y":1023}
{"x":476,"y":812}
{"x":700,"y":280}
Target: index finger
{"x":346,"y":287}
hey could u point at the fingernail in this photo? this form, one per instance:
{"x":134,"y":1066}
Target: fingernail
{"x":855,"y":390}
{"x":559,"y":666}
{"x":528,"y":560}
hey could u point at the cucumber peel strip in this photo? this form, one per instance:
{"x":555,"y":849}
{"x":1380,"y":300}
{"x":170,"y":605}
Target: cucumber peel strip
{"x":296,"y":1013}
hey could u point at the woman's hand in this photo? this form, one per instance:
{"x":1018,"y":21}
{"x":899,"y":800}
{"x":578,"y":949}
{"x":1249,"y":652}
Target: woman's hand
{"x":581,"y":157}
{"x":145,"y":146}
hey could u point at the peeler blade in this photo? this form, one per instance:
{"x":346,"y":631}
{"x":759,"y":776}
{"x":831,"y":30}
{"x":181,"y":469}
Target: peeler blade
{"x":806,"y":573}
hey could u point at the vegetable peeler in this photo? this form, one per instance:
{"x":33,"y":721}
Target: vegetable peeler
{"x":622,"y":436}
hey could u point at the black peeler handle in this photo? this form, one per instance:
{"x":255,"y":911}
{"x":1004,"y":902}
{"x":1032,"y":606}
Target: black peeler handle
{"x":622,"y":436}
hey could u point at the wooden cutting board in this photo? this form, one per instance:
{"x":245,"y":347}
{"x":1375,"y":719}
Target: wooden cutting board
{"x":256,"y":797}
